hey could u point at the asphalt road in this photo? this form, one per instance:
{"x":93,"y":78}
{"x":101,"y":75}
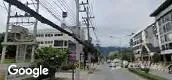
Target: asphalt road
{"x":104,"y":72}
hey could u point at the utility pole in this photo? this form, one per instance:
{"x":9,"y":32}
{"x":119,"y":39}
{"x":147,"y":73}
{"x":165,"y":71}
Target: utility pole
{"x":77,"y":74}
{"x":16,"y":23}
{"x":6,"y":35}
{"x":87,"y":22}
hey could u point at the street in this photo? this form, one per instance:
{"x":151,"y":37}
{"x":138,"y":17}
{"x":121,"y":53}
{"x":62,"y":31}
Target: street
{"x":104,"y":72}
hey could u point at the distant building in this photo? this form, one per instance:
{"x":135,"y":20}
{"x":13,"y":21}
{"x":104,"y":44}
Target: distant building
{"x":163,"y":17}
{"x":145,"y":43}
{"x":57,"y":39}
{"x":53,"y":38}
{"x":136,"y":42}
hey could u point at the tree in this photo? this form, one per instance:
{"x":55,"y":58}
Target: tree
{"x":124,"y":54}
{"x":50,"y":58}
{"x":11,"y":49}
{"x":156,"y":58}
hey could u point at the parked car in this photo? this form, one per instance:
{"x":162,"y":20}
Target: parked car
{"x":112,"y":64}
{"x":108,"y":61}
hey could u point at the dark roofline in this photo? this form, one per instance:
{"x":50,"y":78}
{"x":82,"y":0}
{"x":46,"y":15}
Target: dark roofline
{"x":163,"y":6}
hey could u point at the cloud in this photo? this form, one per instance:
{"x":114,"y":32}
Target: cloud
{"x":122,"y":17}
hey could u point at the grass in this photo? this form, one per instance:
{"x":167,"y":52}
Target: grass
{"x":9,"y":61}
{"x":146,"y":75}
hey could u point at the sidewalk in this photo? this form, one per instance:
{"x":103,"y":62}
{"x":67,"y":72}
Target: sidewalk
{"x":162,"y":74}
{"x":84,"y":75}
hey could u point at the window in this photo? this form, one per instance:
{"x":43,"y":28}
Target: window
{"x":163,"y":47}
{"x":162,"y":39}
{"x":164,"y":28}
{"x":170,"y":46}
{"x":46,"y":35}
{"x":46,"y":42}
{"x":166,"y":46}
{"x":168,"y":26}
{"x":51,"y":35}
{"x":58,"y":43}
{"x":65,"y":43}
{"x":169,"y":37}
{"x":40,"y":42}
{"x":166,"y":38}
{"x":159,"y":22}
{"x":58,"y":34}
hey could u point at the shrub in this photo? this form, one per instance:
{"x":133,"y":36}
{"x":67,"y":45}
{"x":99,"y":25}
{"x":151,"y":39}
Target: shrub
{"x":146,"y":70}
{"x":146,"y":75}
{"x":68,"y":67}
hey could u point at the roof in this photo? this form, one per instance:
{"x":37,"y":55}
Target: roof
{"x":163,"y":6}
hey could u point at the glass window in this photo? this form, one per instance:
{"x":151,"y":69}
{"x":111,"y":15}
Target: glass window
{"x":51,"y":35}
{"x":170,"y":46}
{"x":163,"y":47}
{"x":58,"y":34}
{"x":169,"y":36}
{"x":65,"y":43}
{"x":164,"y":28}
{"x":166,"y":38}
{"x":58,"y":43}
{"x":166,"y":46}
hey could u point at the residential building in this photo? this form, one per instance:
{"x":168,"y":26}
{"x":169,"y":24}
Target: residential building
{"x":136,"y":42}
{"x":145,"y":43}
{"x":163,"y":18}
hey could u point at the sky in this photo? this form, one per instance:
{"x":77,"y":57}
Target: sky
{"x":116,"y":18}
{"x":119,"y":18}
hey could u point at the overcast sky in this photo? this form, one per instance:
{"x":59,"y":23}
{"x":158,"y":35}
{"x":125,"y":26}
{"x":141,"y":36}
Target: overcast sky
{"x":118,"y":18}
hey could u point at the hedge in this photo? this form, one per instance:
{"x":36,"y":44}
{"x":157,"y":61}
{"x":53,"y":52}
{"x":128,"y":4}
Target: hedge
{"x":146,"y":75}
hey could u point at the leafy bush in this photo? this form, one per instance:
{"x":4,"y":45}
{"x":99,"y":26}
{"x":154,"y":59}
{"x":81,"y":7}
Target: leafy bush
{"x":146,"y":70}
{"x":68,"y":67}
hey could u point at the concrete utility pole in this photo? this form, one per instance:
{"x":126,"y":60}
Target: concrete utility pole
{"x":87,"y":22}
{"x":6,"y":34}
{"x":35,"y":32}
{"x":16,"y":23}
{"x":77,"y":74}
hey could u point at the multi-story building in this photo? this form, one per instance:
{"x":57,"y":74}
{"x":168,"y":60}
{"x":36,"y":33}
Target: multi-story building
{"x":57,"y":39}
{"x":53,"y":38}
{"x":163,"y":17}
{"x":136,"y":41}
{"x":145,"y":43}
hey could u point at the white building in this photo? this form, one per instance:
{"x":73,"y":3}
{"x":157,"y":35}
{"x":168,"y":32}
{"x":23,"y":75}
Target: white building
{"x":145,"y":43}
{"x":163,"y":17}
{"x":53,"y":38}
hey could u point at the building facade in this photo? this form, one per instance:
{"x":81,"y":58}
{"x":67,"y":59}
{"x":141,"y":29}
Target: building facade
{"x":56,"y":39}
{"x":53,"y":38}
{"x":136,"y":42}
{"x":145,"y":43}
{"x":163,"y":19}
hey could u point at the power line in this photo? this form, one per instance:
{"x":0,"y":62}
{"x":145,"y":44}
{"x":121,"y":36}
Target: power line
{"x":66,"y":7}
{"x":48,"y":9}
{"x":53,"y":9}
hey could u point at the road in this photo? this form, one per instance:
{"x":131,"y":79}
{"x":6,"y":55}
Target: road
{"x":104,"y":72}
